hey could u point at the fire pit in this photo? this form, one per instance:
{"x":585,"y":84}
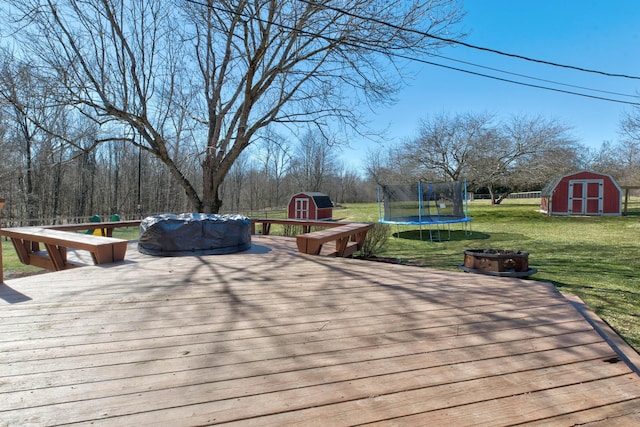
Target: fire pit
{"x":497,"y":262}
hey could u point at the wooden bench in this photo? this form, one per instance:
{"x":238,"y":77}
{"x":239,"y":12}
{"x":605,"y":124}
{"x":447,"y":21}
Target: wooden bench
{"x":27,"y":240}
{"x":306,"y":224}
{"x":106,"y":228}
{"x":349,"y":239}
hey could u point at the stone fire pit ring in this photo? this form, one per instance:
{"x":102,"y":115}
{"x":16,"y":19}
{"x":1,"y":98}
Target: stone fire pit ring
{"x":497,"y":262}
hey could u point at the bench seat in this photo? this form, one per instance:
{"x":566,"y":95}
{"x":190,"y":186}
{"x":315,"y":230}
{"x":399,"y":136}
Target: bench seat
{"x":306,"y":224}
{"x":27,"y":240}
{"x":349,"y":239}
{"x":106,"y":228}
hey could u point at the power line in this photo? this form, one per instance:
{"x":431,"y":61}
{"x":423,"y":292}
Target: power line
{"x":528,"y":84}
{"x":534,"y":78}
{"x":453,"y":41}
{"x":424,"y":61}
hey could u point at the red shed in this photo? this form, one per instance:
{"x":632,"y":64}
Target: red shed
{"x":310,"y":206}
{"x":582,"y":193}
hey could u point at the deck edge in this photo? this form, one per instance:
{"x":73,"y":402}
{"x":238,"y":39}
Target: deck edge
{"x":627,"y":353}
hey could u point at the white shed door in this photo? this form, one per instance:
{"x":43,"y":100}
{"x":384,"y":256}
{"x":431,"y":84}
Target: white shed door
{"x":302,"y":208}
{"x":586,"y":197}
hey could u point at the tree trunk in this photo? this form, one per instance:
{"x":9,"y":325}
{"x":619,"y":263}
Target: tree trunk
{"x":211,"y":182}
{"x":503,"y":196}
{"x":492,"y":195}
{"x":31,"y":198}
{"x":56,"y":189}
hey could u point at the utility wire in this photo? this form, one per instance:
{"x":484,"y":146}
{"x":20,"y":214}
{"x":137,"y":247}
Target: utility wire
{"x":453,"y":41}
{"x":414,"y":59}
{"x":534,"y":78}
{"x":523,"y":83}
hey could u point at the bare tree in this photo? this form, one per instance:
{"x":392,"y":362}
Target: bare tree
{"x":630,"y":126}
{"x":523,"y":150}
{"x":275,"y":156}
{"x":446,"y":144}
{"x":518,"y":153}
{"x":238,"y":175}
{"x":603,"y":159}
{"x":388,"y":165}
{"x":38,"y":120}
{"x":232,"y":68}
{"x":350,"y":185}
{"x":314,"y":161}
{"x":626,"y":151}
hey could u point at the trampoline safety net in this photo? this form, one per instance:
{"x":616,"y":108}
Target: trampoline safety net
{"x":424,"y":203}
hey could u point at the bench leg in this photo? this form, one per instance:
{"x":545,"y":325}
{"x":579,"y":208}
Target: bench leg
{"x":313,"y":248}
{"x":109,"y":253}
{"x":28,"y":254}
{"x":359,"y":239}
{"x":350,"y":250}
{"x":102,"y":255}
{"x":58,"y":256}
{"x":341,"y":246}
{"x":266,"y":227}
{"x":23,"y":249}
{"x":119,"y":251}
{"x":308,"y":246}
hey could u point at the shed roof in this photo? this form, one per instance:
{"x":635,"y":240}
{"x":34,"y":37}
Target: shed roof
{"x":551,"y":185}
{"x":321,"y":200}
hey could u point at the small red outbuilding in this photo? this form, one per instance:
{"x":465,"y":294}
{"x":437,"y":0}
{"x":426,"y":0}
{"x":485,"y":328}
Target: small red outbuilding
{"x":582,"y":193}
{"x":310,"y":205}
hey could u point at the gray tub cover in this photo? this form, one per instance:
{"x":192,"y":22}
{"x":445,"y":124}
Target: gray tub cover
{"x":194,"y":234}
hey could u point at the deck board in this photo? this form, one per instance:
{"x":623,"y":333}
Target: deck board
{"x":273,"y":337}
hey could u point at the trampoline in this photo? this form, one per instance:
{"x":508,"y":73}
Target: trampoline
{"x":436,"y":206}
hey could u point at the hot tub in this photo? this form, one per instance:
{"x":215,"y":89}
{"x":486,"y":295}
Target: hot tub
{"x":194,"y":234}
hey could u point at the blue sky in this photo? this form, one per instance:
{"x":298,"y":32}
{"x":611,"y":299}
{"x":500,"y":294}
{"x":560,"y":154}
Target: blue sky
{"x":595,"y":34}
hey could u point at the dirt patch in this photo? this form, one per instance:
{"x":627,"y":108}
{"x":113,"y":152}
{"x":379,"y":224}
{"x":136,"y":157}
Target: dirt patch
{"x":12,"y":274}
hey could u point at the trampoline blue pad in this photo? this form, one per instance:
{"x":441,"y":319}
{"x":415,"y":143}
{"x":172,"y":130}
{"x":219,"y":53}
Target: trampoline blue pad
{"x":424,"y":220}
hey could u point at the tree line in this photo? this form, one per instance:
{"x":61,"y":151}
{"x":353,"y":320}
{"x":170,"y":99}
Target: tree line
{"x":46,"y":180}
{"x":502,"y":155}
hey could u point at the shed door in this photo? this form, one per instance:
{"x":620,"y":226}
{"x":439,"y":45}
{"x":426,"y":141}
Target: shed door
{"x":301,"y":208}
{"x":586,"y":197}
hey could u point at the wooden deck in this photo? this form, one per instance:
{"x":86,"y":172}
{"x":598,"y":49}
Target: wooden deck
{"x":271,"y":337}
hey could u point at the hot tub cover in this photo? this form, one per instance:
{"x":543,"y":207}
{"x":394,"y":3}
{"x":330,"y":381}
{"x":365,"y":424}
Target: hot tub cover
{"x":194,"y":234}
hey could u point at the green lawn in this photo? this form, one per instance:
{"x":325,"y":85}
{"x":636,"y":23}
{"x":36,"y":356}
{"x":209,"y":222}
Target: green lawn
{"x":595,"y":258}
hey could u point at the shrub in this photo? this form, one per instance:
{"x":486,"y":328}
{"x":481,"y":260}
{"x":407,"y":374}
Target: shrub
{"x":291,"y":230}
{"x":376,"y":239}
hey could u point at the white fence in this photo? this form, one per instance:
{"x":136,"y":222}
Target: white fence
{"x":523,"y":195}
